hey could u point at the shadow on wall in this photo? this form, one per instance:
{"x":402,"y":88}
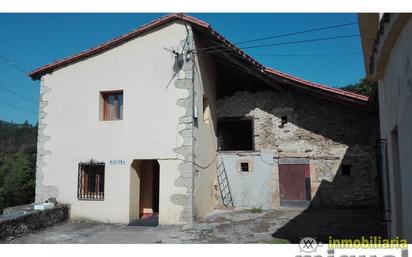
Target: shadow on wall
{"x":346,"y":203}
{"x":350,"y":222}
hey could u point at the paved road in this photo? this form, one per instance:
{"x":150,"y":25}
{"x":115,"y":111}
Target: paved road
{"x":222,"y":226}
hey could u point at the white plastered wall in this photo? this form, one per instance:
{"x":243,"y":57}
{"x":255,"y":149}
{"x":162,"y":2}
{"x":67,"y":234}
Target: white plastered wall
{"x":143,"y":69}
{"x":206,"y":142}
{"x":395,"y":99}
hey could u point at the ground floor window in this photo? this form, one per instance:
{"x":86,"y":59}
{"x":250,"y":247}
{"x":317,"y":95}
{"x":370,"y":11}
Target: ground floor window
{"x":91,"y":181}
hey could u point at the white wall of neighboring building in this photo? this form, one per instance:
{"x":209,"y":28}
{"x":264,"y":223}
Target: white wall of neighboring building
{"x":206,"y":141}
{"x":395,"y":104}
{"x":143,"y":69}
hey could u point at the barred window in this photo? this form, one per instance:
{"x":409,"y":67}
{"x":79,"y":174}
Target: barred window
{"x":91,"y":181}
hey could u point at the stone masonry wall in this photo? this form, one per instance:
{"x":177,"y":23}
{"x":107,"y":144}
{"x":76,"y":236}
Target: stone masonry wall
{"x":185,"y":130}
{"x":18,"y":224}
{"x":328,"y":133}
{"x":43,"y":191}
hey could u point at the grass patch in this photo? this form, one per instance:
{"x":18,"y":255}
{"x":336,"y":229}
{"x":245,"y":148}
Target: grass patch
{"x":275,"y":241}
{"x":256,"y":210}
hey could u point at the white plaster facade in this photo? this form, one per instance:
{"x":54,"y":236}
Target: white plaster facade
{"x":206,"y":142}
{"x":392,"y":70}
{"x":144,"y":71}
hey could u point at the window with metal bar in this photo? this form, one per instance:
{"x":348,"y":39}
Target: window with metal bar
{"x":244,"y":166}
{"x":91,"y":181}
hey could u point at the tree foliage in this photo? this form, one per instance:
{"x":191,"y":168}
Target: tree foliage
{"x":17,"y":163}
{"x":363,"y":87}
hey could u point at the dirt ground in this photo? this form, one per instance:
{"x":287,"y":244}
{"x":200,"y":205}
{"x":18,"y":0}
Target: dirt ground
{"x":222,"y":226}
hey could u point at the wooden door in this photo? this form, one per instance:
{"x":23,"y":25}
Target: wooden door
{"x":294,"y":183}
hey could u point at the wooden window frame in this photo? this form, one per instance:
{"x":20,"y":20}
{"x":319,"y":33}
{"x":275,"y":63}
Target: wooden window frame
{"x":105,"y":106}
{"x":83,"y":184}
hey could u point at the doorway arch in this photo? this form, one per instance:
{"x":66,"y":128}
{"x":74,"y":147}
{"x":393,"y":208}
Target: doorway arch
{"x":144,"y":189}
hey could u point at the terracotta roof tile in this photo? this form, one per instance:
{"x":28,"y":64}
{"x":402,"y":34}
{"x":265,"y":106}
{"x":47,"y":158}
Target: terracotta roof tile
{"x":36,"y":74}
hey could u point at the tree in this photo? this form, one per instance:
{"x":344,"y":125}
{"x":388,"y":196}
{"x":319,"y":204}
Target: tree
{"x":18,"y":180}
{"x":17,"y":163}
{"x":363,"y":87}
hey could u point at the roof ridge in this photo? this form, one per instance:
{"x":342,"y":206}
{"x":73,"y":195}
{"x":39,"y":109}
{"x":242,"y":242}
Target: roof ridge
{"x":116,"y":40}
{"x":318,"y":85}
{"x":37,"y":73}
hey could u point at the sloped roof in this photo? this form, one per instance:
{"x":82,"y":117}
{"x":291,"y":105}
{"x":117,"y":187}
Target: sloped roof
{"x":314,"y":87}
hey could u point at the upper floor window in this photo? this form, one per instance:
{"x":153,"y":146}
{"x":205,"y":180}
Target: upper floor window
{"x":112,"y":105}
{"x":206,"y":110}
{"x":235,"y":134}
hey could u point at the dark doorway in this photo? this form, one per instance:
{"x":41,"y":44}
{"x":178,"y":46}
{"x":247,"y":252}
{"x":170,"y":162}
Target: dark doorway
{"x":155,"y":200}
{"x":397,"y":181}
{"x":149,"y":189}
{"x":144,"y":192}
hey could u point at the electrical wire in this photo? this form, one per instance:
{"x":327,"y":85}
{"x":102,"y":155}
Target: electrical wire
{"x":17,"y":107}
{"x":284,"y":35}
{"x":193,"y":162}
{"x":268,"y":163}
{"x":297,"y":33}
{"x":308,"y":55}
{"x":17,"y":94}
{"x":285,"y":43}
{"x":15,"y":66}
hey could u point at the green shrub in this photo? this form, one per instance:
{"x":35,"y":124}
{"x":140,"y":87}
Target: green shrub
{"x":256,"y":210}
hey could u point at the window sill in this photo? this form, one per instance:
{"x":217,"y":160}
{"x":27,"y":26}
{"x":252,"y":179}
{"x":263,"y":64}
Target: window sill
{"x":96,"y":200}
{"x":237,"y":151}
{"x":110,"y":120}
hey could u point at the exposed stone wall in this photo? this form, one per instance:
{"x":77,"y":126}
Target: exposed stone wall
{"x":18,"y":224}
{"x":185,"y":130}
{"x":328,"y":133}
{"x":43,"y":191}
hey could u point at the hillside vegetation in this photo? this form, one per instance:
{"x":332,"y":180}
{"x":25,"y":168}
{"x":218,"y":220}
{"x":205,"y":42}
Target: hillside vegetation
{"x":17,"y":163}
{"x":363,"y":87}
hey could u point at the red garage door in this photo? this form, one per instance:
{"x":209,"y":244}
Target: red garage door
{"x":294,"y":183}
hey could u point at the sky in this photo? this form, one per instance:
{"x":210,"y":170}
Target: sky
{"x":29,"y":41}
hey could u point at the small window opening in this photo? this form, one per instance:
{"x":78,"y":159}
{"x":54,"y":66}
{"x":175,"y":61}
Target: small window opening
{"x":244,"y":166}
{"x":206,"y":109}
{"x":235,"y":134}
{"x":91,"y":181}
{"x":346,"y":169}
{"x":284,"y":120}
{"x":112,"y":105}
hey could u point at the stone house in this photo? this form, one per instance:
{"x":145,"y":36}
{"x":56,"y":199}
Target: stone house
{"x":386,"y":41}
{"x":173,"y":119}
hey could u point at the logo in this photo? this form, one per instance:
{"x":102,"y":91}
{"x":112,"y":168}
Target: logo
{"x":372,"y":246}
{"x":308,"y":244}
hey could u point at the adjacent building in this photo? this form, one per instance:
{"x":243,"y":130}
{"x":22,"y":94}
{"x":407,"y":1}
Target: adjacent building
{"x":174,"y":120}
{"x":387,"y":48}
